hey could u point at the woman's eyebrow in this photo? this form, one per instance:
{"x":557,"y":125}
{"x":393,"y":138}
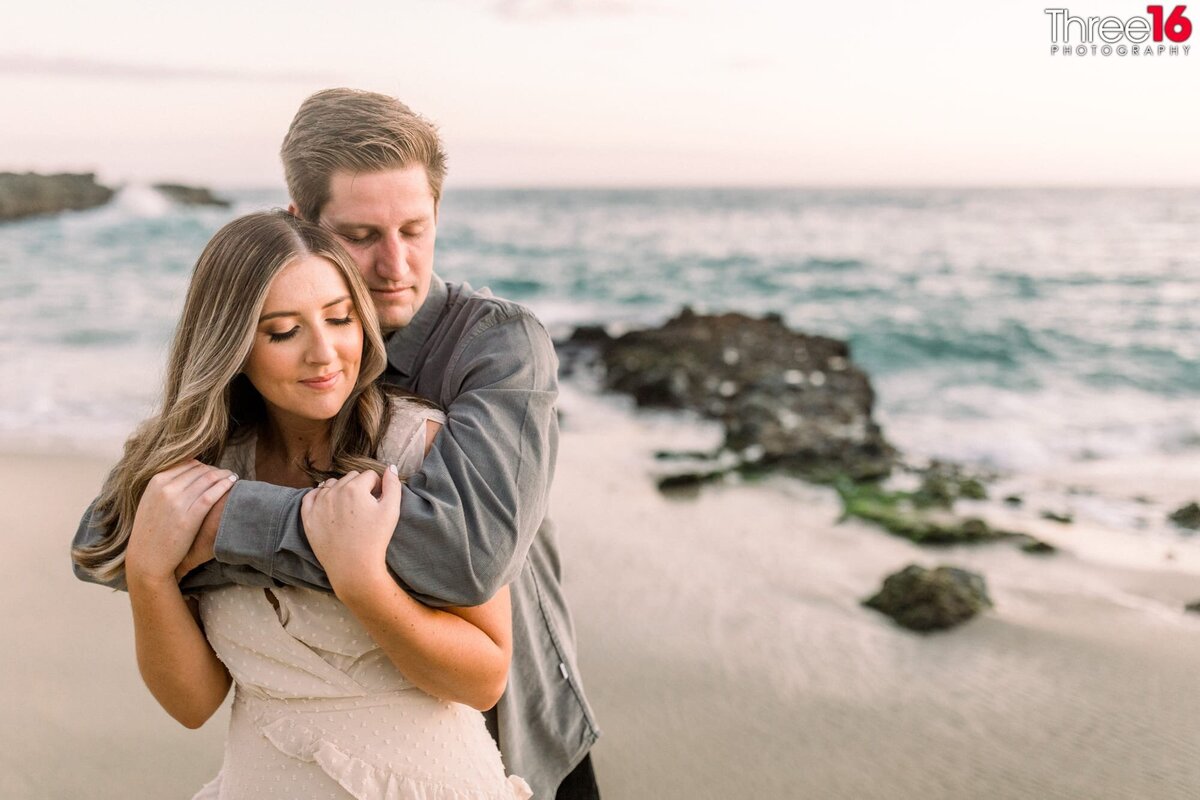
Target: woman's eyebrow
{"x":275,"y":314}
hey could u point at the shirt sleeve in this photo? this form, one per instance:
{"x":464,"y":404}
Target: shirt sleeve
{"x":260,"y":531}
{"x":206,"y":576}
{"x":468,"y":517}
{"x":88,"y":533}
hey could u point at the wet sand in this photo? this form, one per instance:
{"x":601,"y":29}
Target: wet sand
{"x":722,"y":645}
{"x":735,"y":660}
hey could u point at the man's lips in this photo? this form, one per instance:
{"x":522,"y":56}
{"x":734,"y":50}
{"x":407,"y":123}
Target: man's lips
{"x":323,"y":381}
{"x":392,"y":294}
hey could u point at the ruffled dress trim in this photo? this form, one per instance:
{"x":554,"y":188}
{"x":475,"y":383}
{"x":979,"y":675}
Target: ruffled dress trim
{"x":365,"y":781}
{"x":292,"y":735}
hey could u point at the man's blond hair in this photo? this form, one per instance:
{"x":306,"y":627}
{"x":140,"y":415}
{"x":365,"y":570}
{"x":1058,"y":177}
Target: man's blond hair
{"x":356,"y":131}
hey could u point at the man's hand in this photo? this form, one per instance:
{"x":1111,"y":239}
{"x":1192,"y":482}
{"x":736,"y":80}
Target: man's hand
{"x":203,"y":547}
{"x":349,"y":528}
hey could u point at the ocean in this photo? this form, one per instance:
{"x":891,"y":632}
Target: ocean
{"x":1013,"y":329}
{"x":1048,"y":336}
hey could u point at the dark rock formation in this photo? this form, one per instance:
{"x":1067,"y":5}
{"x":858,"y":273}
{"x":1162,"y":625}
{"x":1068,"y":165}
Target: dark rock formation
{"x":30,"y":194}
{"x":1036,"y":546}
{"x":1063,"y":518}
{"x":688,"y":482}
{"x":191,"y":195}
{"x":928,"y":600}
{"x":1187,"y":516}
{"x":1193,"y":607}
{"x":785,"y":399}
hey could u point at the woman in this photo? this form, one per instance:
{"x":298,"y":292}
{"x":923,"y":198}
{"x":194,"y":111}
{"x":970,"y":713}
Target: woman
{"x":366,"y":693}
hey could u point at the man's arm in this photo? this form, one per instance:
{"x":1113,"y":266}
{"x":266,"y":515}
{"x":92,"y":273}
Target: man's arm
{"x":468,"y":517}
{"x":88,"y":533}
{"x":206,"y":576}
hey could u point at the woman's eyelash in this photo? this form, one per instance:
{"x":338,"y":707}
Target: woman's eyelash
{"x":283,"y":337}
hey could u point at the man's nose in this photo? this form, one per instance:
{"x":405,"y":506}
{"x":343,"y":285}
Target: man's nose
{"x":391,"y":257}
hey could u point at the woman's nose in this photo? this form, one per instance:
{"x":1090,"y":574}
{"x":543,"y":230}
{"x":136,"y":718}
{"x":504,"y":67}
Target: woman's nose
{"x":320,"y":348}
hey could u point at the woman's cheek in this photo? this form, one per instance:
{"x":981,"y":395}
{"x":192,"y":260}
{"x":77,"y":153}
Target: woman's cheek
{"x":353,"y":350}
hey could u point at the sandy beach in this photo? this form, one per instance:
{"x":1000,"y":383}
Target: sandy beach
{"x":722,"y":644}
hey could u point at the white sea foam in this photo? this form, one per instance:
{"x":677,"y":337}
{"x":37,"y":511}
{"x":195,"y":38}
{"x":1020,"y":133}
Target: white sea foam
{"x":141,"y":200}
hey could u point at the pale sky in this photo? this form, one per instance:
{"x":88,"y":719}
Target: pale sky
{"x":605,"y":92}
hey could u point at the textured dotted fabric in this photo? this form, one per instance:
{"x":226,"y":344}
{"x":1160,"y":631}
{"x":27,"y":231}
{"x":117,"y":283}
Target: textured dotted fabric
{"x":319,"y":711}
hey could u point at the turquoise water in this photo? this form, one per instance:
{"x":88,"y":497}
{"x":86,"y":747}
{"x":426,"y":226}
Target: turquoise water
{"x":1009,"y":327}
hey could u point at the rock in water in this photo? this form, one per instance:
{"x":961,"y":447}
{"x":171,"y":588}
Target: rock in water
{"x":30,"y":194}
{"x":1187,"y":516}
{"x":928,"y":600}
{"x":191,"y":195}
{"x":787,"y":399}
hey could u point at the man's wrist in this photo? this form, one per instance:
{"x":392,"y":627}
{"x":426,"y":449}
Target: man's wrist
{"x":250,"y":526}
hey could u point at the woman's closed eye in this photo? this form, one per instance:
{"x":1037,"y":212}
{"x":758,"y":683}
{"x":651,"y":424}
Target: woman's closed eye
{"x":283,"y":337}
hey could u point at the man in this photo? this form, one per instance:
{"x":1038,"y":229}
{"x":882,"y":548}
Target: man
{"x":472,"y":520}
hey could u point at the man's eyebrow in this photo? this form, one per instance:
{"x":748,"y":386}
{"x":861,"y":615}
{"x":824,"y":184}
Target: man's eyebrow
{"x":275,"y":314}
{"x":345,"y":224}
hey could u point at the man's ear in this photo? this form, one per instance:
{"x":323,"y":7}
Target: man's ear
{"x":295,"y":212}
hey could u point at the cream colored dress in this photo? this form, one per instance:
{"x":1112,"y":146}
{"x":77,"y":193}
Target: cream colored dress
{"x":319,"y":711}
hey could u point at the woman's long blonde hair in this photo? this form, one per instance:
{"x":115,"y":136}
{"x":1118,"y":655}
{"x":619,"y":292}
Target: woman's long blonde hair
{"x":206,"y":399}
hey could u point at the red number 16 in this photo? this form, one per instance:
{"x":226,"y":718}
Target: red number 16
{"x":1178,"y":27}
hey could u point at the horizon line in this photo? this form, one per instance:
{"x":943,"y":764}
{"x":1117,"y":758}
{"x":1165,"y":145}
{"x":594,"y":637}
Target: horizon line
{"x":585,"y":186}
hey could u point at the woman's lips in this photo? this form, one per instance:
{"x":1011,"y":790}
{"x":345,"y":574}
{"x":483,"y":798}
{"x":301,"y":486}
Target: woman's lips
{"x":323,"y":381}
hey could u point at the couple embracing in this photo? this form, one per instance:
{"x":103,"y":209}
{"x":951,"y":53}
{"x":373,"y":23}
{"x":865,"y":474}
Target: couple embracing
{"x":340,"y":508}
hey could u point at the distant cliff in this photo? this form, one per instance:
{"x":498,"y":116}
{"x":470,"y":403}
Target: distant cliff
{"x":191,"y":195}
{"x":29,"y":194}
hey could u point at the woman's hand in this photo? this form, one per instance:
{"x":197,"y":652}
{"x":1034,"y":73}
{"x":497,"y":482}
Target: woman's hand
{"x":349,"y":528}
{"x":168,"y":516}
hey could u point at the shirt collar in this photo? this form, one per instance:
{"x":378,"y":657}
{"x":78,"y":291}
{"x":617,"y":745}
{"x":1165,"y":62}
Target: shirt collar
{"x":405,"y":343}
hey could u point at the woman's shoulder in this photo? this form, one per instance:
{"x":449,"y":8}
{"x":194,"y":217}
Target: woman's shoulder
{"x":403,"y":443}
{"x":407,"y":408}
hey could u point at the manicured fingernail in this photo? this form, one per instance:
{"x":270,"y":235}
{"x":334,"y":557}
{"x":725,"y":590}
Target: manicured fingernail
{"x":392,"y":468}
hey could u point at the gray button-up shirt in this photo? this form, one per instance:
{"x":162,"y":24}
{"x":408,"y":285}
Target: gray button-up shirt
{"x":471,"y":521}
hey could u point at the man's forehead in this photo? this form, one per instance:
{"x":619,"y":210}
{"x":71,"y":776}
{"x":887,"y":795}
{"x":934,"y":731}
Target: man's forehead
{"x":387,"y":197}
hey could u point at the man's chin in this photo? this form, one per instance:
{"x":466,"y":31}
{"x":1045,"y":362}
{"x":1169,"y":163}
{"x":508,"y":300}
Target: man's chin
{"x":394,"y":319}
